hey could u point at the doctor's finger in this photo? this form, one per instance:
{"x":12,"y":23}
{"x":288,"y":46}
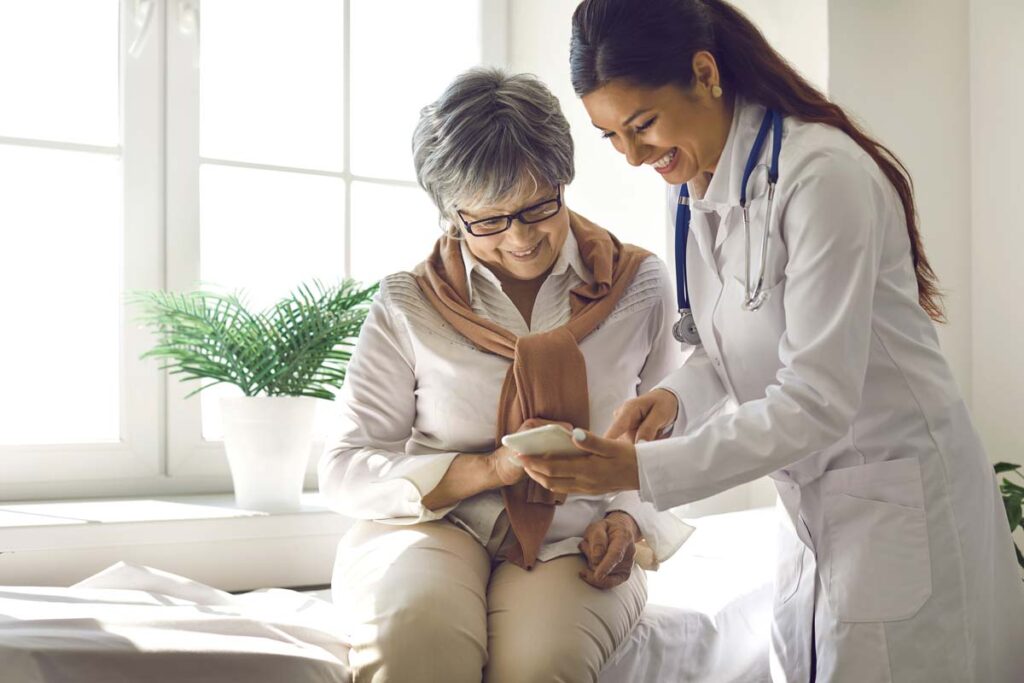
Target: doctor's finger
{"x":648,"y":430}
{"x":627,"y":418}
{"x":598,"y":445}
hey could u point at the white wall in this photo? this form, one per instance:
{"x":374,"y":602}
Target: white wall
{"x":901,"y":68}
{"x":798,"y":29}
{"x":996,"y":95}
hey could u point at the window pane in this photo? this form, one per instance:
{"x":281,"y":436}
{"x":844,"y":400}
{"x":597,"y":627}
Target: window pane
{"x":59,"y":70}
{"x":271,"y":82}
{"x":393,"y":229}
{"x":393,"y":78}
{"x":60,"y":293}
{"x":265,"y":232}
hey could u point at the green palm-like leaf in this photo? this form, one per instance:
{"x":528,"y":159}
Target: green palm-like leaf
{"x":298,"y":347}
{"x":1013,"y":500}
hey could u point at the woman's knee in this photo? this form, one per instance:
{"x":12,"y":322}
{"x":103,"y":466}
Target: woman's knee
{"x":548,"y":625}
{"x":562,"y":655}
{"x":428,"y":641}
{"x":414,"y":602}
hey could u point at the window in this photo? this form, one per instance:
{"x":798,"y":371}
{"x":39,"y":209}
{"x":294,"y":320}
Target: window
{"x":244,"y":143}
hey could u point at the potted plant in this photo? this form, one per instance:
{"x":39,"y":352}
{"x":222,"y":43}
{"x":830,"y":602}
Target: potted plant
{"x":283,"y":359}
{"x":1013,"y":501}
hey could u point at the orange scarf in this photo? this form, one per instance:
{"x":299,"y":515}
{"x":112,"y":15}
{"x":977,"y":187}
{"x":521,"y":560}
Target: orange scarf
{"x":548,"y":375}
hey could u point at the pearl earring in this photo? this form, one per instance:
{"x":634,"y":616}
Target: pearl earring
{"x":716,"y":91}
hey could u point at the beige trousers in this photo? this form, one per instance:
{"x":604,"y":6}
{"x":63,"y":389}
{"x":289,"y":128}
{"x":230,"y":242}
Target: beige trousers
{"x":427,"y":603}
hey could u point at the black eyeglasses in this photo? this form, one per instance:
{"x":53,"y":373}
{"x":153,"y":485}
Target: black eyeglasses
{"x":486,"y":227}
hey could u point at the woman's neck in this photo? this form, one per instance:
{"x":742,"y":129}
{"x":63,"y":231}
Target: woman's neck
{"x":523,"y":293}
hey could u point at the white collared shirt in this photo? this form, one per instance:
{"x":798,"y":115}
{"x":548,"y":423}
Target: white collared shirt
{"x":417,"y":393}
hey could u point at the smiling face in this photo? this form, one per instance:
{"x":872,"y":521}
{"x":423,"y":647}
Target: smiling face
{"x":525,"y":251}
{"x":679,"y":132}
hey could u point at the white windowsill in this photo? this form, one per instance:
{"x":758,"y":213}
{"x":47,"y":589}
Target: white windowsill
{"x":204,"y":537}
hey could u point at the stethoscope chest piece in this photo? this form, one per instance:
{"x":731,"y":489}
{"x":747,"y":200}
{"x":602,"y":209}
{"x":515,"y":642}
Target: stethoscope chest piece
{"x":752,"y":303}
{"x":685,"y":329}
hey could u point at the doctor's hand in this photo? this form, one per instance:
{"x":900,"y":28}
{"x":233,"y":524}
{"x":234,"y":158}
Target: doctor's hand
{"x":506,"y":468}
{"x":609,"y":546}
{"x":643,"y":418}
{"x":610,"y":465}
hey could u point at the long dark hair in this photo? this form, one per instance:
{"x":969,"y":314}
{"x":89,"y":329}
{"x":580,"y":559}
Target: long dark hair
{"x":651,"y":43}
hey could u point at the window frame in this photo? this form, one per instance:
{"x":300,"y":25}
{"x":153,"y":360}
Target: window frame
{"x":84,"y":469}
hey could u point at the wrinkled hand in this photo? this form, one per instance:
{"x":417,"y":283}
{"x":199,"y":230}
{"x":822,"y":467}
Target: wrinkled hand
{"x":507,"y":469}
{"x":609,"y":465}
{"x":643,"y":418}
{"x":609,"y":546}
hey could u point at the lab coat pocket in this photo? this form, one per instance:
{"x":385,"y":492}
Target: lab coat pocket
{"x":878,"y":567}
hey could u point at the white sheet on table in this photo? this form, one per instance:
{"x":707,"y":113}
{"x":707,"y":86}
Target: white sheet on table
{"x":708,"y":614}
{"x":131,"y":623}
{"x":707,"y":620}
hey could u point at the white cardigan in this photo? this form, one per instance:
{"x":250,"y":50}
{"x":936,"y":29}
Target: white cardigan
{"x":417,"y":393}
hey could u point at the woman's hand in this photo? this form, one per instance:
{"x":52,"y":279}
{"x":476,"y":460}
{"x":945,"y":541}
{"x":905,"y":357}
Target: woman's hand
{"x":609,"y":545}
{"x":609,"y":466}
{"x":643,"y":418}
{"x":507,"y":469}
{"x":473,"y":473}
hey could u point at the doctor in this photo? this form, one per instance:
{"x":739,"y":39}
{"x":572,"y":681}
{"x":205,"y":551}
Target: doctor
{"x":812,"y":356}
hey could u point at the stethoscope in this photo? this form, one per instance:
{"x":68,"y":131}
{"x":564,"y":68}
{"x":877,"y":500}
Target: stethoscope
{"x":685,"y":329}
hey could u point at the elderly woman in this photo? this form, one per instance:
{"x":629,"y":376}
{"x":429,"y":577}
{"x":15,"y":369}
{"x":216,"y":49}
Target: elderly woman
{"x":462,"y":568}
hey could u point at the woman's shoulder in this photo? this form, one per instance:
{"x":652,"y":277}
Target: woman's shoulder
{"x":404,"y":301}
{"x":400,"y":293}
{"x":400,"y":286}
{"x":646,"y":290}
{"x":652,"y":269}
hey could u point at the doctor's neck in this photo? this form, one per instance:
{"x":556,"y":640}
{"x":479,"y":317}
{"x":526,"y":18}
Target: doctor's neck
{"x":716,"y":136}
{"x":719,"y":133}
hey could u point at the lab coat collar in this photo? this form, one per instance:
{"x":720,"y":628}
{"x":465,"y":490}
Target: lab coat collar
{"x":568,"y":257}
{"x":723,"y":192}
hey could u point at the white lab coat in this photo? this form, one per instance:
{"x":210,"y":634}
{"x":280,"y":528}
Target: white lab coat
{"x":895,"y":560}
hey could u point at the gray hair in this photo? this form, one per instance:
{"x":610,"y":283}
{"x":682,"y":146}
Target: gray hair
{"x":490,"y":137}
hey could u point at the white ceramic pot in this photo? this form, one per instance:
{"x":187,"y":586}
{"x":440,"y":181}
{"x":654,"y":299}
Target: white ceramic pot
{"x":268,"y":441}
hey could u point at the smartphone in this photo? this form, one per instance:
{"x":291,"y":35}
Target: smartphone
{"x":546,"y":440}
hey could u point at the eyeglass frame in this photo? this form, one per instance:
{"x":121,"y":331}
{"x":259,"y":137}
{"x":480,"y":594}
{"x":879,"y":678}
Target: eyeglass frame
{"x":509,"y":217}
